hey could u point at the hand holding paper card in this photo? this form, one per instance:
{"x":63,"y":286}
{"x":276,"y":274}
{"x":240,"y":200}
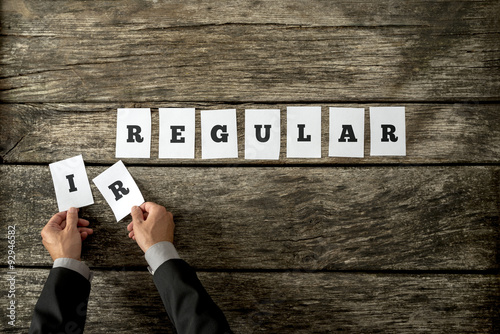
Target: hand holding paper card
{"x":71,"y":183}
{"x":119,"y":189}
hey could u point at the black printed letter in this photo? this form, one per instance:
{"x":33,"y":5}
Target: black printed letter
{"x":347,"y":131}
{"x":258,"y":133}
{"x":176,"y":132}
{"x":71,"y":183}
{"x":117,"y":188}
{"x":388,"y":131}
{"x":134,"y":131}
{"x":301,"y":133}
{"x":223,"y":135}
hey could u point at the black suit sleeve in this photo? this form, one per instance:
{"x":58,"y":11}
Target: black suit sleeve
{"x":187,"y":303}
{"x":62,"y":306}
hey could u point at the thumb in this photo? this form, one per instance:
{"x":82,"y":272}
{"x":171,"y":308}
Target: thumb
{"x":72,"y":218}
{"x":137,"y":215}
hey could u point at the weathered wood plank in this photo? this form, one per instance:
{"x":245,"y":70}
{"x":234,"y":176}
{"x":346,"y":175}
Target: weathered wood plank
{"x":74,"y":51}
{"x":63,"y":16}
{"x":44,"y":133}
{"x":291,"y":302}
{"x":280,"y":218}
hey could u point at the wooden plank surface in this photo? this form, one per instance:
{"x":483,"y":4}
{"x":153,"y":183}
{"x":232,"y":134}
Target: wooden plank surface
{"x":402,"y":244}
{"x":436,"y":133}
{"x":280,"y":218}
{"x":292,"y":302}
{"x":294,"y":51}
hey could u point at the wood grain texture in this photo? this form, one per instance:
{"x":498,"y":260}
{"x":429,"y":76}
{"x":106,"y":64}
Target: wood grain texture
{"x":292,"y":302}
{"x":280,"y":218}
{"x":249,"y":51}
{"x":404,"y":247}
{"x":436,"y":133}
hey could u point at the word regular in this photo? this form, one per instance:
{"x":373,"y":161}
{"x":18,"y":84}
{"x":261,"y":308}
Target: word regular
{"x":219,"y":136}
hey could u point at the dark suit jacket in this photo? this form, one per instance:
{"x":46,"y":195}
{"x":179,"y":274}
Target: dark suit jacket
{"x":188,"y":304}
{"x":62,"y":306}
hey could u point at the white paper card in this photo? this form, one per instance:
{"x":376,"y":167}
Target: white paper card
{"x":71,"y":183}
{"x":347,"y":132}
{"x":388,"y":131}
{"x":303,"y":132}
{"x":133,"y":133}
{"x":219,"y":138}
{"x":262,"y":134}
{"x":177,"y":133}
{"x":119,"y":189}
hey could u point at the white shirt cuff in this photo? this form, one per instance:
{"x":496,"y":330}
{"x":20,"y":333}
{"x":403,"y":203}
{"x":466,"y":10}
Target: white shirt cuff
{"x":74,"y":265}
{"x":159,"y":253}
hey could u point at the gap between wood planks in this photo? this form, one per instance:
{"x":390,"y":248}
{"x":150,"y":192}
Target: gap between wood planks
{"x":272,"y":165}
{"x":343,"y":102}
{"x":302,"y":271}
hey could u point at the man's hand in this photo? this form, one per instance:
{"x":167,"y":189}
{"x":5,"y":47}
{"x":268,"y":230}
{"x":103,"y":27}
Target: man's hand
{"x":151,"y":223}
{"x":64,"y":233}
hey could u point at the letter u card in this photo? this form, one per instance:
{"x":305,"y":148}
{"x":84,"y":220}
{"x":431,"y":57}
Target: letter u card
{"x":71,"y":183}
{"x":262,"y":134}
{"x":119,"y":189}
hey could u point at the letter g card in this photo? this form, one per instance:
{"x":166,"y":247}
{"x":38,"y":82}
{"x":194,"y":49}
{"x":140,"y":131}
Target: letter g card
{"x":119,"y":189}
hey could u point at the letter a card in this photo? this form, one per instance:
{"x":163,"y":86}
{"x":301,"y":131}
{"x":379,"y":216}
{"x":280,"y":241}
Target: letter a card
{"x":119,"y":189}
{"x":347,"y":132}
{"x":71,"y":183}
{"x":133,"y":133}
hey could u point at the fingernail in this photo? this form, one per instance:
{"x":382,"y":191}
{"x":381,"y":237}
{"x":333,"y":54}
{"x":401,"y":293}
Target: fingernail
{"x":72,"y":210}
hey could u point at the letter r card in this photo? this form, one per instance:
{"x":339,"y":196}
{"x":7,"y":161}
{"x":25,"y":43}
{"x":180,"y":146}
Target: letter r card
{"x":119,"y":189}
{"x":71,"y":183}
{"x":133,"y":133}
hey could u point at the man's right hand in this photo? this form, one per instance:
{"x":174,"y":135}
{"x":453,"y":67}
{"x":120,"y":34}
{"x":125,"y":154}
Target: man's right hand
{"x":151,"y":223}
{"x":64,"y":233}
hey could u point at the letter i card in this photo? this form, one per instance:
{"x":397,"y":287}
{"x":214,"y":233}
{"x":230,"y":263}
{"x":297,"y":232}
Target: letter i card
{"x":119,"y":189}
{"x":71,"y":183}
